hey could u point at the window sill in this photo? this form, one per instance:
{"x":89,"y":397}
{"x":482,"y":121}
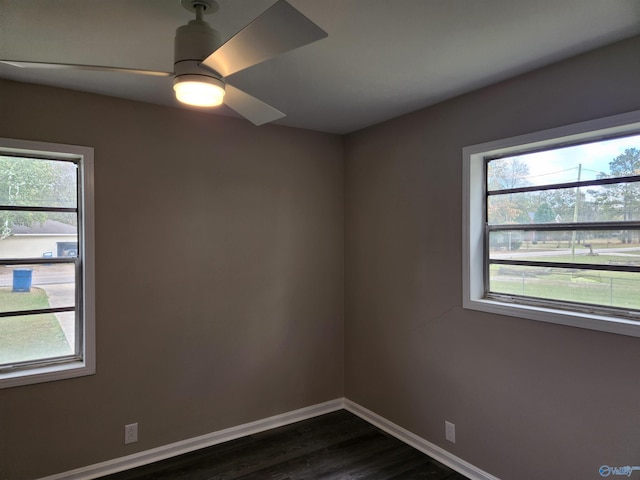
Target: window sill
{"x":560,"y":317}
{"x":45,"y":374}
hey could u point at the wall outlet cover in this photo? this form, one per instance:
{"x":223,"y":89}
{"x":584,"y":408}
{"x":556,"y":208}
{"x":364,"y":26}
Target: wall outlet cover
{"x":450,"y":431}
{"x":131,"y":433}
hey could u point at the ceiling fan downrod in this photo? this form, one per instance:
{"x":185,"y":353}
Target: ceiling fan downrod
{"x":200,"y":7}
{"x":193,"y":43}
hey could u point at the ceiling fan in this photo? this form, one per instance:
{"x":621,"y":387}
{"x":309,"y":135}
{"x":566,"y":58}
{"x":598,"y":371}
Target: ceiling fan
{"x":202,"y":61}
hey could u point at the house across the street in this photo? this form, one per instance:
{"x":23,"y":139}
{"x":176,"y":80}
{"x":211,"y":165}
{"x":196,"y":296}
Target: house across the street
{"x":48,"y":239}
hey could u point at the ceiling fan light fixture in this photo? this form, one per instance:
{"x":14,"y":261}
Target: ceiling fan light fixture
{"x":202,"y":61}
{"x":199,"y":90}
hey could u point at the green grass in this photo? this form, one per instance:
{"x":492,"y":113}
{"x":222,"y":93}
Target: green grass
{"x":29,"y":337}
{"x":617,"y":289}
{"x":12,"y":301}
{"x":596,"y":287}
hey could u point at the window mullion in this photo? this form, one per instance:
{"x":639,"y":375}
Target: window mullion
{"x":566,"y":265}
{"x":36,"y":261}
{"x":18,"y":313}
{"x":559,"y":186}
{"x":22,"y":208}
{"x":585,"y":226}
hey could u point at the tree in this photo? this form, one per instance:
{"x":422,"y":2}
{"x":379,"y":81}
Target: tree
{"x":544,"y":214}
{"x":504,"y":174}
{"x":622,"y":201}
{"x":561,"y":202}
{"x":27,"y":182}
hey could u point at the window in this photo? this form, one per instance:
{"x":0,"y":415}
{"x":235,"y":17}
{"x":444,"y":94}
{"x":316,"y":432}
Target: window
{"x":46,"y":262}
{"x":552,"y":225}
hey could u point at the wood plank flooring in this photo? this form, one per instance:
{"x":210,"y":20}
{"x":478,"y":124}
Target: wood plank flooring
{"x":335,"y":446}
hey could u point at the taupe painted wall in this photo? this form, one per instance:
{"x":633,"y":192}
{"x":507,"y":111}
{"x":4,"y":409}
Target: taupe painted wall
{"x":530,"y":400}
{"x":219,"y":260}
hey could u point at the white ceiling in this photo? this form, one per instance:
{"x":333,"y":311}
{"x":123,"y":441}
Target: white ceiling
{"x":382,"y":58}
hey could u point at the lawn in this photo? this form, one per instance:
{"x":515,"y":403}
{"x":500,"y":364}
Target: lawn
{"x":584,"y":285}
{"x":29,"y":337}
{"x":617,"y":289}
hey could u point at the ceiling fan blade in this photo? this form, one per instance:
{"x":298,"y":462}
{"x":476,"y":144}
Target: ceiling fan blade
{"x":278,"y":29}
{"x":254,"y":110}
{"x":70,"y":66}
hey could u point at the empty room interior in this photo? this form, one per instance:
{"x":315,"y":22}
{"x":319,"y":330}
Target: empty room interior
{"x":247,"y":276}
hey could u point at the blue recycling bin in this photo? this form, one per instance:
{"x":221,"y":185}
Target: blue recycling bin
{"x":22,"y":279}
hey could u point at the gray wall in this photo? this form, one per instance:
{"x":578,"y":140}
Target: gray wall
{"x":530,"y":400}
{"x":219,"y":260}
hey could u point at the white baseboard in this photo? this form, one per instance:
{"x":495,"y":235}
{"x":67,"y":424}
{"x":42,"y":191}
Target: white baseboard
{"x":196,"y":443}
{"x":419,"y":443}
{"x":185,"y":446}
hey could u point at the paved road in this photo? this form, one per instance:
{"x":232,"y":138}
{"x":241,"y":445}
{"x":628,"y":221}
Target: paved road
{"x":39,"y":278}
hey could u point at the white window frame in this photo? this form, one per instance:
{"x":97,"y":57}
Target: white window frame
{"x":87,"y":364}
{"x":473,"y":218}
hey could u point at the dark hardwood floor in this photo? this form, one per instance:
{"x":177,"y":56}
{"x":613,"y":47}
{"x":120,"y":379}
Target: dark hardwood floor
{"x":335,"y":446}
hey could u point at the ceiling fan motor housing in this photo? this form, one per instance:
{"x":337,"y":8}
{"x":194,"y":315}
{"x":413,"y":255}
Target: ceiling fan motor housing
{"x":194,"y":42}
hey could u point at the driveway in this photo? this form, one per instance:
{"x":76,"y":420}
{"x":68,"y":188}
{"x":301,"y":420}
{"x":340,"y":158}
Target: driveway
{"x":62,"y":295}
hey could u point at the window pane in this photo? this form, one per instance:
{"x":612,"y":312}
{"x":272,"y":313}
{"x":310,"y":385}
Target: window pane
{"x":615,"y":289}
{"x":601,"y":203}
{"x":32,"y":287}
{"x":40,"y":262}
{"x":37,"y":183}
{"x":33,"y":337}
{"x":603,"y":247}
{"x":38,"y":234}
{"x":614,"y":158}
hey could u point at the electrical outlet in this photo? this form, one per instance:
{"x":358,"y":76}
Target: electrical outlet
{"x":450,"y":431}
{"x":131,"y":433}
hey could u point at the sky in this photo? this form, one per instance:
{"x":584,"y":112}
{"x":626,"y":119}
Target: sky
{"x":561,"y":165}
